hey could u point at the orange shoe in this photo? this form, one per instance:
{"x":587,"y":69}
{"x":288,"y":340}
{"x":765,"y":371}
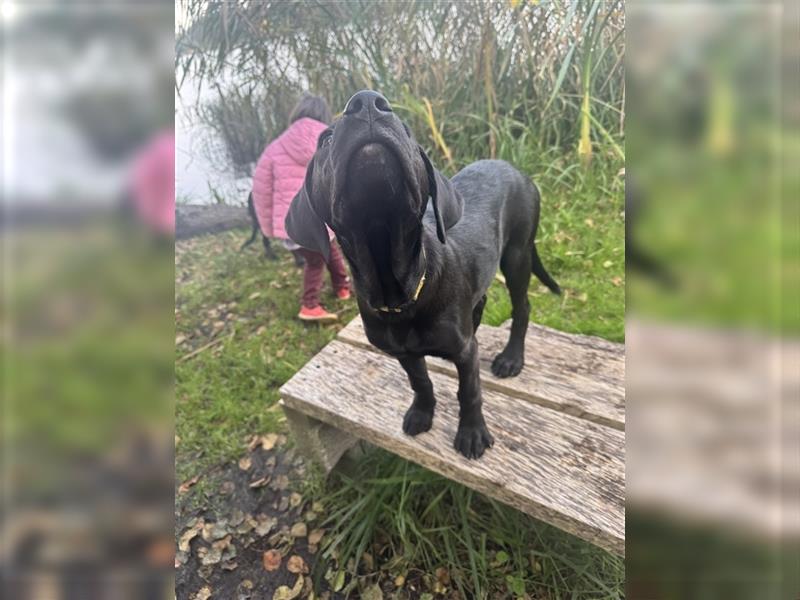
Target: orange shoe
{"x":343,"y":294}
{"x":317,"y":313}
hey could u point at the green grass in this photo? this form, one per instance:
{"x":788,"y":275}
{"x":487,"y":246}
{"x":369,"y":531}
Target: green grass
{"x":90,"y":356}
{"x":720,"y":224}
{"x":410,"y":520}
{"x":229,"y":391}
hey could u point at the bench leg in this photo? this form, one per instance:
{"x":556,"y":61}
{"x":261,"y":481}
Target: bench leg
{"x":318,"y":442}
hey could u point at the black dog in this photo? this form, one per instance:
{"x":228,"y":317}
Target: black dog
{"x":251,"y":211}
{"x":423,"y":251}
{"x":269,"y":253}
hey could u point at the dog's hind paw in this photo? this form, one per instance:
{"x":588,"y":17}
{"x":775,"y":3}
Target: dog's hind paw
{"x":417,"y":421}
{"x":472,"y":441}
{"x":507,"y":365}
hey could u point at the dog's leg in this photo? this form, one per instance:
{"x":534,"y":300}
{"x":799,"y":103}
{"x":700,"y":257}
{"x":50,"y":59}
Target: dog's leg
{"x":268,"y":251}
{"x":419,"y":417}
{"x":516,"y":266}
{"x":477,"y":313}
{"x":472,"y":437}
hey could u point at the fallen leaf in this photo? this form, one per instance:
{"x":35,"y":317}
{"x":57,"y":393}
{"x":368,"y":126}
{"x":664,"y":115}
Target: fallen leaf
{"x":204,"y":593}
{"x":247,"y":525}
{"x":245,"y":590}
{"x":295,"y":500}
{"x":209,"y":556}
{"x":227,"y":488}
{"x":299,"y":530}
{"x":259,"y":483}
{"x":268,"y":441}
{"x":181,"y":558}
{"x":369,"y":563}
{"x":179,"y":339}
{"x":272,"y":560}
{"x":254,"y":295}
{"x":237,"y":516}
{"x":215,"y":531}
{"x":186,"y":538}
{"x":280,"y":483}
{"x":315,"y":536}
{"x":223,"y":543}
{"x":617,"y":281}
{"x":229,"y":566}
{"x":607,"y":264}
{"x":589,"y":223}
{"x":284,"y":593}
{"x":245,"y":463}
{"x":296,"y":565}
{"x":265,"y":524}
{"x":253,"y":443}
{"x":443,"y":576}
{"x":399,"y":581}
{"x":184,"y":487}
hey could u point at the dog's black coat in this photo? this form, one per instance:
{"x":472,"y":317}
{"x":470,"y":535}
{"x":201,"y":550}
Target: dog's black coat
{"x":251,"y":211}
{"x":398,"y":220}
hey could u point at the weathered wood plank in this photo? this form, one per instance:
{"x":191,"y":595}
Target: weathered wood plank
{"x":564,"y":470}
{"x":319,"y":442}
{"x":579,"y":375}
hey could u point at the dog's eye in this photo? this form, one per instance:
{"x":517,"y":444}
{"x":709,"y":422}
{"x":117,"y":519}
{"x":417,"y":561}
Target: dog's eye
{"x":325,"y":138}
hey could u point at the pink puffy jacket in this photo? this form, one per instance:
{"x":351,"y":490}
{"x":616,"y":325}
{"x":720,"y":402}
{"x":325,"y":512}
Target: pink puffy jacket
{"x":279,"y":174}
{"x":153,"y":183}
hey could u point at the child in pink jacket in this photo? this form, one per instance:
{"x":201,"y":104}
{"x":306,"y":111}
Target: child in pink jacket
{"x":278,"y":177}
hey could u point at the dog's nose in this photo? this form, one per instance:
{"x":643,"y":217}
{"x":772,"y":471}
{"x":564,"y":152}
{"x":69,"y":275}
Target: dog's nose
{"x":367,"y":103}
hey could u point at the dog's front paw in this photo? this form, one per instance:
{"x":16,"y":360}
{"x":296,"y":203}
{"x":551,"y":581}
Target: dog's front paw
{"x":507,"y":365}
{"x":473,"y":440}
{"x":417,"y":421}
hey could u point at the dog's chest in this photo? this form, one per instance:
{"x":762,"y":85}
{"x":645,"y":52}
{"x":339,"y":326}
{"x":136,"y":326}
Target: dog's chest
{"x":406,"y":340}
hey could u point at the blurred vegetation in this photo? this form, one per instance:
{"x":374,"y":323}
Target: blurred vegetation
{"x":87,"y":351}
{"x":518,"y":80}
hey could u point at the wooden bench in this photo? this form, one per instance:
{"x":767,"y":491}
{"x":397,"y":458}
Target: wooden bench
{"x":559,"y":452}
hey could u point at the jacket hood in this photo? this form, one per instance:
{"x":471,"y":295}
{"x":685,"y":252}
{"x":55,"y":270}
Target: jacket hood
{"x":299,"y":141}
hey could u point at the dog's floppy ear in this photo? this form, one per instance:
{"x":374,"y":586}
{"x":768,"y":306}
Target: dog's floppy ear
{"x":304,"y":222}
{"x":448,"y":205}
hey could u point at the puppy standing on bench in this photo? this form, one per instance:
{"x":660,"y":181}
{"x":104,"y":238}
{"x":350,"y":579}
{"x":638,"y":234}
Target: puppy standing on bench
{"x":423,"y":251}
